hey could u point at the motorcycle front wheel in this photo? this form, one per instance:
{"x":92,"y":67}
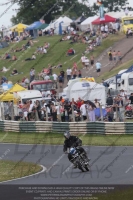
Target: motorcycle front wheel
{"x":87,"y":168}
{"x":80,"y":166}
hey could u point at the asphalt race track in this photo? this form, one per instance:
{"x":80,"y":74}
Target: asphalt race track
{"x":112,"y":165}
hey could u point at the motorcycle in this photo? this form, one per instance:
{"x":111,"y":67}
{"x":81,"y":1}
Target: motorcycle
{"x":81,"y":163}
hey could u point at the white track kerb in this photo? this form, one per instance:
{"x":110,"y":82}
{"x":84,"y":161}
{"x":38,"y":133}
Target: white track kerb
{"x":43,"y":170}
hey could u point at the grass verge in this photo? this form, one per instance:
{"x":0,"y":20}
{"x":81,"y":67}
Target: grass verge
{"x":58,"y":139}
{"x":11,"y":170}
{"x":122,"y":194}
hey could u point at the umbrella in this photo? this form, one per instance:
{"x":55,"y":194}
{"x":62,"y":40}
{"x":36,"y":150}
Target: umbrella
{"x":91,"y":103}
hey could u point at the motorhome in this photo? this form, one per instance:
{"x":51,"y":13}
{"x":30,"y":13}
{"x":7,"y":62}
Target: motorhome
{"x":34,"y":95}
{"x":127,"y":23}
{"x":125,"y":83}
{"x":43,"y":86}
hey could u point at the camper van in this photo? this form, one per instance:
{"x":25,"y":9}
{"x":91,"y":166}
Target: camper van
{"x":29,"y":95}
{"x":43,"y":86}
{"x":127,"y":22}
{"x":125,"y":83}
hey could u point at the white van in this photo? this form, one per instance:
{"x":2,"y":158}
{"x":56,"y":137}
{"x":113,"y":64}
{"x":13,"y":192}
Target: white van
{"x":29,"y":95}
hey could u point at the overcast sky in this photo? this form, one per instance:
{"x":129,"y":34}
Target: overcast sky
{"x":5,"y":19}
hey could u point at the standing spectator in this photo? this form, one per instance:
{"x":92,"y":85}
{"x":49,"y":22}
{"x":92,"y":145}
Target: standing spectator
{"x":62,"y":111}
{"x":131,"y":99}
{"x":109,"y":100}
{"x":38,"y":108}
{"x":106,"y":28}
{"x":30,"y":110}
{"x":54,"y":112}
{"x":91,"y":113}
{"x":98,"y":67}
{"x":97,"y":104}
{"x":75,"y":67}
{"x":123,"y":94}
{"x":83,"y":60}
{"x":25,"y":109}
{"x":79,"y":74}
{"x":50,"y":69}
{"x":69,"y":73}
{"x":119,"y":56}
{"x":114,"y":56}
{"x":63,"y":75}
{"x":55,"y":77}
{"x":74,"y":74}
{"x":102,"y":29}
{"x":68,"y":111}
{"x":60,"y":79}
{"x":92,"y":60}
{"x":79,"y":103}
{"x":83,"y":110}
{"x":86,"y":62}
{"x":32,"y":75}
{"x":46,"y":77}
{"x":110,"y":56}
{"x":58,"y":111}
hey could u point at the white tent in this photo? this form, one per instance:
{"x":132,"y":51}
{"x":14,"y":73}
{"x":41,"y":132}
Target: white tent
{"x":86,"y":90}
{"x":119,"y":14}
{"x":87,"y":23}
{"x":66,"y":21}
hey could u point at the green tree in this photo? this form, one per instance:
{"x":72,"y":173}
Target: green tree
{"x":113,"y":5}
{"x":33,"y":10}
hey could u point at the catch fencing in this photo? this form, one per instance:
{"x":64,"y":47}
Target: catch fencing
{"x":73,"y":127}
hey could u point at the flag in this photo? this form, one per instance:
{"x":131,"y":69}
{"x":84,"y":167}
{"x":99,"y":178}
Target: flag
{"x":101,"y":10}
{"x":99,"y":2}
{"x":42,"y":21}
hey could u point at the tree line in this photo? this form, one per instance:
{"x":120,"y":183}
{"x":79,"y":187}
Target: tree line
{"x":34,"y":10}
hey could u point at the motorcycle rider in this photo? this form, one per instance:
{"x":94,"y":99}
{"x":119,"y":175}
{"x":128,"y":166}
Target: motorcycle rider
{"x":71,"y":141}
{"x":79,"y":151}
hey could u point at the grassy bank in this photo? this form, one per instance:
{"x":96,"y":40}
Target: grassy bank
{"x":58,"y":139}
{"x":11,"y":170}
{"x":56,"y":55}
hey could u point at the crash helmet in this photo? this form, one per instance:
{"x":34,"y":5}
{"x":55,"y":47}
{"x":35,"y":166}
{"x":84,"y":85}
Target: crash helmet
{"x":72,"y":150}
{"x":67,"y":134}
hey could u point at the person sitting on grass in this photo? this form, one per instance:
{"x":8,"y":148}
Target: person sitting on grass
{"x":7,"y":56}
{"x":65,"y":38}
{"x":32,"y":58}
{"x":44,"y":50}
{"x":70,"y":52}
{"x":4,"y":69}
{"x":14,"y":58}
{"x":14,"y":72}
{"x":46,"y":45}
